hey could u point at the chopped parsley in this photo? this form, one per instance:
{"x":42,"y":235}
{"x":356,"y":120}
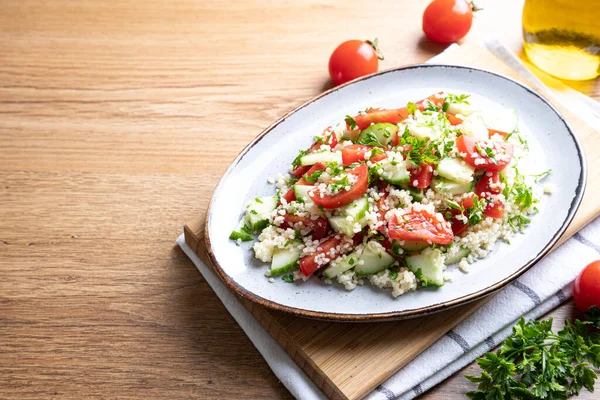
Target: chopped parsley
{"x":393,"y":275}
{"x":351,"y":122}
{"x":411,"y":107}
{"x":296,"y":161}
{"x":420,"y":150}
{"x":475,"y":212}
{"x":289,"y":278}
{"x":351,"y":261}
{"x":340,"y":184}
{"x":541,"y":175}
{"x":486,"y":152}
{"x":518,"y":222}
{"x":458,"y":99}
{"x":314,"y":176}
{"x":423,"y":282}
{"x":369,"y":139}
{"x":258,"y":200}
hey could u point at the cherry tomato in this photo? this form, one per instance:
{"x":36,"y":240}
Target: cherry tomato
{"x":420,"y":225}
{"x":586,"y":290}
{"x":489,"y":183}
{"x":422,"y":175}
{"x":376,"y":115}
{"x":494,"y":209}
{"x":344,"y":197}
{"x":332,"y":248}
{"x":501,"y":152}
{"x":353,"y":59}
{"x":358,"y":152}
{"x":319,"y":226}
{"x":446,"y":21}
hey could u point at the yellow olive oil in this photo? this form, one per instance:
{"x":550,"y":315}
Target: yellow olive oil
{"x":562,"y":37}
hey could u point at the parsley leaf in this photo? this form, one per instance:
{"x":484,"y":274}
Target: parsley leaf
{"x":423,"y":282}
{"x":458,"y":99}
{"x":370,"y":139}
{"x":314,"y":176}
{"x":411,"y":107}
{"x":593,"y":315}
{"x":296,"y":161}
{"x":537,"y":363}
{"x":393,"y":275}
{"x":289,"y":278}
{"x":518,"y":222}
{"x":418,"y":151}
{"x":541,"y":175}
{"x":475,"y":212}
{"x":350,"y":122}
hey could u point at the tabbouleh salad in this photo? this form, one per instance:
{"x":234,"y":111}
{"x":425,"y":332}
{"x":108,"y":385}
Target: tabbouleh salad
{"x":394,"y":196}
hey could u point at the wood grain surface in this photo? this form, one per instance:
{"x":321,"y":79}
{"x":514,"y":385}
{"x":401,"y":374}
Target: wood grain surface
{"x":116,"y":120}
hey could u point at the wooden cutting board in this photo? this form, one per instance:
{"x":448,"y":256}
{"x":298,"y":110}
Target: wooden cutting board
{"x":347,"y":361}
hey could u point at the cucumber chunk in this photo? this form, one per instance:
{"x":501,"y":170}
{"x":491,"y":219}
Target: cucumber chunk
{"x":374,"y":259}
{"x":460,"y":108}
{"x":428,"y":267}
{"x":474,"y":126}
{"x":301,"y":193}
{"x":351,"y":135}
{"x":348,"y":262}
{"x":393,"y":170}
{"x":242,"y":232}
{"x":462,"y":253}
{"x":446,"y":186}
{"x":324,"y":157}
{"x":258,"y":211}
{"x":383,"y":133}
{"x":455,"y":169}
{"x":357,"y":209}
{"x":340,"y":224}
{"x":411,"y":245}
{"x":285,"y":260}
{"x":416,"y":193}
{"x":504,"y":121}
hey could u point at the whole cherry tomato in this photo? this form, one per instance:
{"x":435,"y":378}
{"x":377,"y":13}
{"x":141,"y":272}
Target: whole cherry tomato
{"x":586,"y":290}
{"x":446,"y":21}
{"x":353,"y":59}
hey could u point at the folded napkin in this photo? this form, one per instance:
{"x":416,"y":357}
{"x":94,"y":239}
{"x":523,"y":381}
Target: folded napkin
{"x":536,"y":292}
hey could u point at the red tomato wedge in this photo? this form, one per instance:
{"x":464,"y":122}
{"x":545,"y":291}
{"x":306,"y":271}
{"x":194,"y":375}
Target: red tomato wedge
{"x":319,"y":226}
{"x":344,"y":197}
{"x":329,"y":249}
{"x":376,"y":115}
{"x":495,"y":209}
{"x":492,"y":132}
{"x":300,"y":170}
{"x":420,"y":225}
{"x":381,"y":205}
{"x":359,"y":152}
{"x":436,"y":99}
{"x":290,"y":195}
{"x":422,"y":176}
{"x":453,"y":119}
{"x":489,"y":183}
{"x":502,"y":153}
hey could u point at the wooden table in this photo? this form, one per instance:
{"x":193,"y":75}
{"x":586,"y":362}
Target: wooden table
{"x":116,"y":120}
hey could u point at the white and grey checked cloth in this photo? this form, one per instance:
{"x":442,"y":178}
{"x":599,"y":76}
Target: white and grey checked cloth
{"x":535,"y":293}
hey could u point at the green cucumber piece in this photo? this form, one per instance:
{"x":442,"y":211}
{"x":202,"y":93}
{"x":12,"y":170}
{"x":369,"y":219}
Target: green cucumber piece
{"x":446,"y":186}
{"x":285,"y":260}
{"x":374,"y":259}
{"x":357,"y":209}
{"x":301,"y":193}
{"x":242,"y":232}
{"x":395,"y":174}
{"x":460,"y":108}
{"x":411,"y":245}
{"x":351,"y":135}
{"x":455,"y":169}
{"x":258,"y":211}
{"x":428,"y":267}
{"x":505,"y":121}
{"x":462,"y":253}
{"x":323,"y":157}
{"x":348,"y":262}
{"x":474,"y":126}
{"x":340,"y":224}
{"x":416,"y":193}
{"x":383,"y":133}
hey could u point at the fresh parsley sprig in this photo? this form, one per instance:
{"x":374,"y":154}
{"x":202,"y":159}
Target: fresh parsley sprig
{"x":537,"y":363}
{"x":418,"y":151}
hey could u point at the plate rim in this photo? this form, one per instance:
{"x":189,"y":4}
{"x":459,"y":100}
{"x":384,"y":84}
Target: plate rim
{"x":415,"y":312}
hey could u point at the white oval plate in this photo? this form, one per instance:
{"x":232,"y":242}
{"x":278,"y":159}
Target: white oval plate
{"x":550,"y":138}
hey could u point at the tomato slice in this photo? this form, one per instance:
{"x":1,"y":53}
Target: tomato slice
{"x":344,"y":197}
{"x":468,"y":148}
{"x":422,"y":176}
{"x":420,"y":225}
{"x":381,"y":206}
{"x":359,"y":152}
{"x":376,"y":115}
{"x":494,"y":209}
{"x":300,"y":170}
{"x":489,"y":183}
{"x":436,"y":99}
{"x":328,"y":250}
{"x":290,"y":195}
{"x":454,"y":120}
{"x":319,"y":226}
{"x":492,"y":132}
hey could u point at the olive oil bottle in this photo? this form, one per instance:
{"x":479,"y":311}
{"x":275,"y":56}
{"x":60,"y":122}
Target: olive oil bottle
{"x":562,"y":37}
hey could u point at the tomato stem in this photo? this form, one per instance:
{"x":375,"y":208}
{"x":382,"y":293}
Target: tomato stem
{"x":474,"y":6}
{"x":373,"y":44}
